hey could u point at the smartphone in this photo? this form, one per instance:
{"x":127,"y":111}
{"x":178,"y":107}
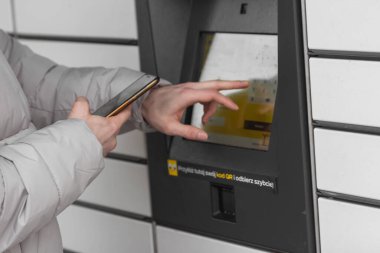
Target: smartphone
{"x":127,"y":96}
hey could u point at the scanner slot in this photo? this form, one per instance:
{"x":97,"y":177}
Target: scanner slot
{"x":223,"y":202}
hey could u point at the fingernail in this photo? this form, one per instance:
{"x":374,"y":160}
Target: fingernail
{"x":202,"y":136}
{"x":236,"y":107}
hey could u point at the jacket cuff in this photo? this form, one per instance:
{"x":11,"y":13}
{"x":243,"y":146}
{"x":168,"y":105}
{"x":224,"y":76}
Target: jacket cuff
{"x":139,"y":120}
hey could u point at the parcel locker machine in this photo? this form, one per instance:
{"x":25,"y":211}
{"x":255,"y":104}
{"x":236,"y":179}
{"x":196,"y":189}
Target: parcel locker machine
{"x":250,"y":182}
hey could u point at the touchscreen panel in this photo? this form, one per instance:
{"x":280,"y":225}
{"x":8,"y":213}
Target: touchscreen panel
{"x":253,"y":57}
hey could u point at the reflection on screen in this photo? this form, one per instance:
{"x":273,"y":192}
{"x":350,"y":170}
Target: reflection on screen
{"x":250,"y":57}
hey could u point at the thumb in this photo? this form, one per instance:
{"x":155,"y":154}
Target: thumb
{"x":80,"y":109}
{"x":188,"y":132}
{"x":209,"y":110}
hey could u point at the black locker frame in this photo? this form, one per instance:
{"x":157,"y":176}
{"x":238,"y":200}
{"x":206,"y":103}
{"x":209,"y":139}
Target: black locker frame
{"x":282,"y":221}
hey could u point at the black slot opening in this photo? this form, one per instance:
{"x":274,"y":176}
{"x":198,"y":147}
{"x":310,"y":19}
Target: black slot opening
{"x":223,"y":202}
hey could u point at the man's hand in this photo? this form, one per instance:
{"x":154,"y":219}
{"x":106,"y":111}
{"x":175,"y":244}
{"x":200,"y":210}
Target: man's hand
{"x":105,"y":129}
{"x":164,"y":107}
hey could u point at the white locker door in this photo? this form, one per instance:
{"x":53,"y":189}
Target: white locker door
{"x":345,"y":91}
{"x":175,"y":241}
{"x":121,"y":185}
{"x":89,"y":231}
{"x":348,"y":228}
{"x":345,"y":25}
{"x":5,"y":15}
{"x":348,"y":163}
{"x":89,"y":18}
{"x":74,"y":54}
{"x":132,"y":143}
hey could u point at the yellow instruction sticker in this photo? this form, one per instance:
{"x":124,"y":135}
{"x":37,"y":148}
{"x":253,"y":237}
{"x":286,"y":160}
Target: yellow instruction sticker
{"x":172,"y":168}
{"x":180,"y":169}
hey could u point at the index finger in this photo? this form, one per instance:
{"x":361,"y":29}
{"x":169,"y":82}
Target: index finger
{"x":220,"y":85}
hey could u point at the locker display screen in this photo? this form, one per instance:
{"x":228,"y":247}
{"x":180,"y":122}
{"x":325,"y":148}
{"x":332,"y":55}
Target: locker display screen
{"x":253,"y":57}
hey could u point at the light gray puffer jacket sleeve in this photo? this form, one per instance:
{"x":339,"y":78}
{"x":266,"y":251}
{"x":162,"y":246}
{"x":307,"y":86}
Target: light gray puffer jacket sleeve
{"x":43,"y":173}
{"x":51,"y":89}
